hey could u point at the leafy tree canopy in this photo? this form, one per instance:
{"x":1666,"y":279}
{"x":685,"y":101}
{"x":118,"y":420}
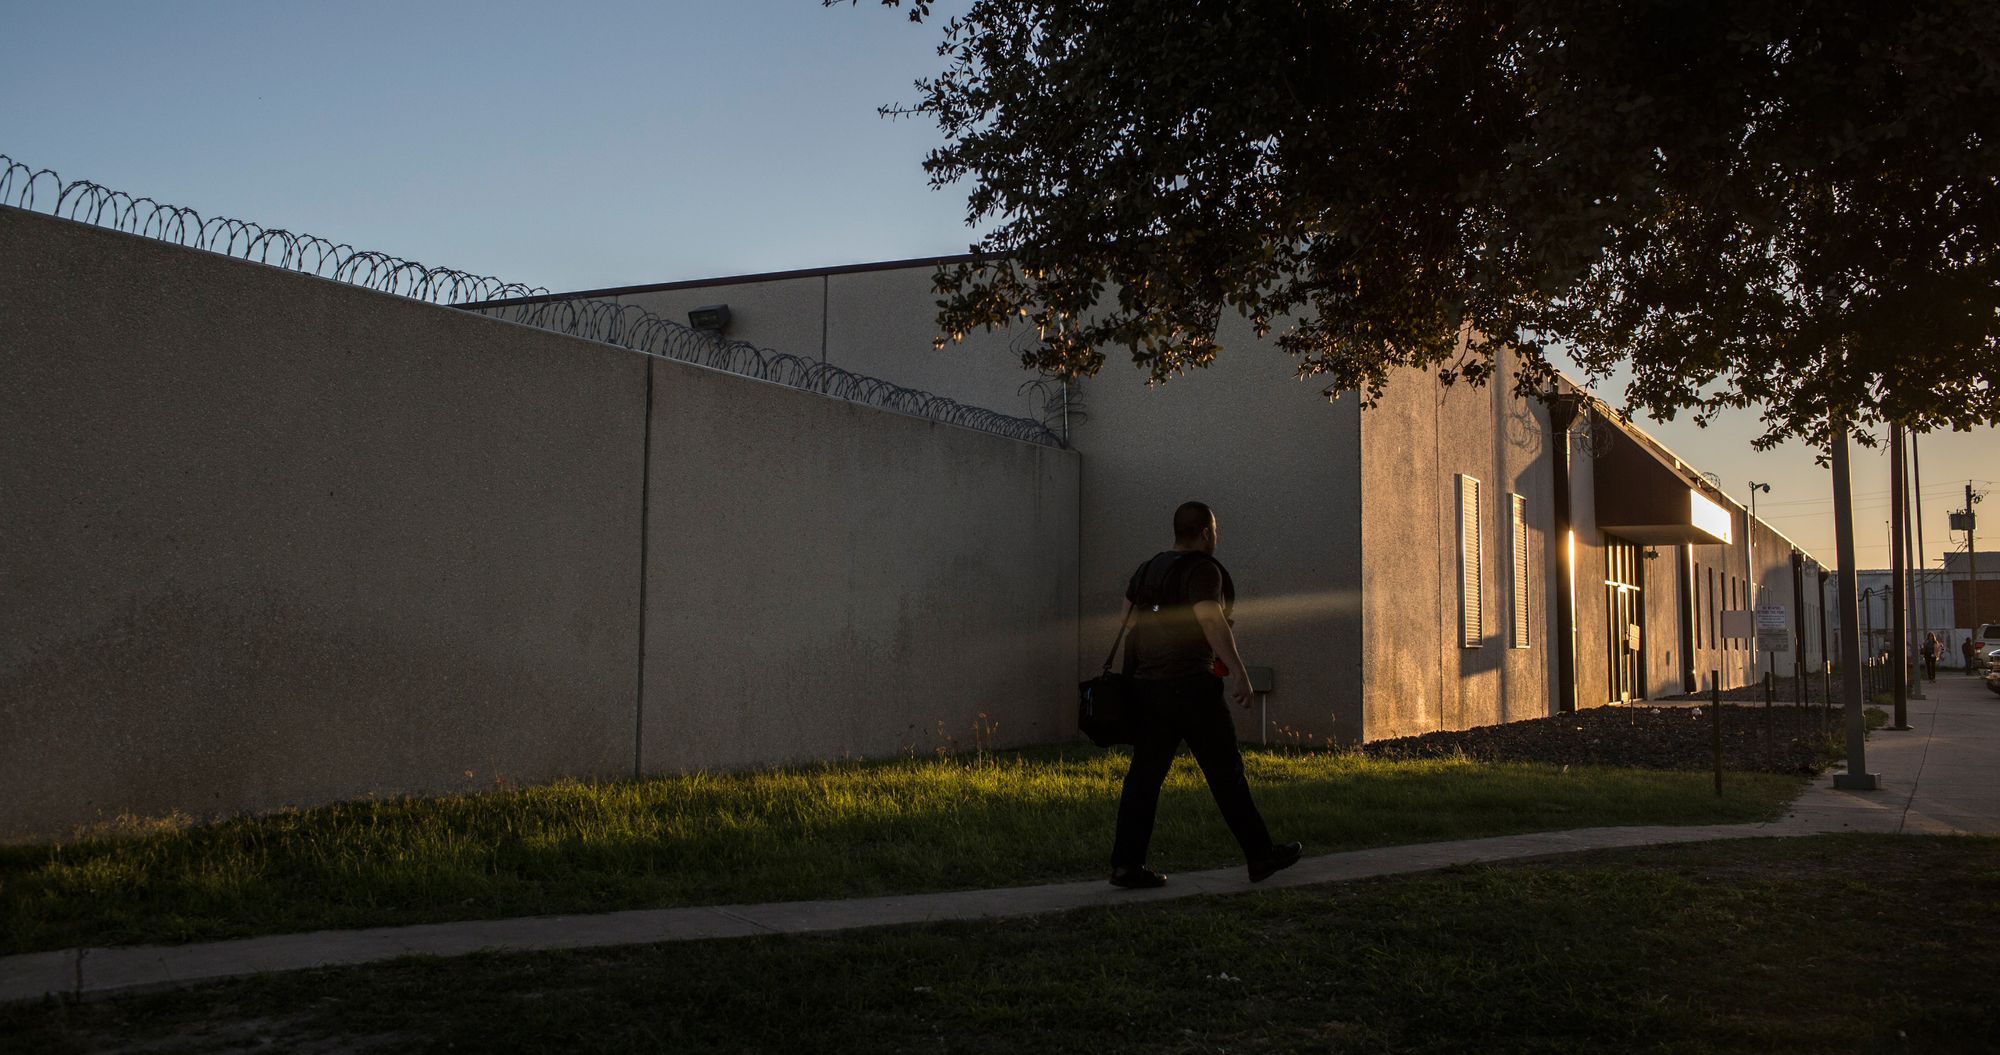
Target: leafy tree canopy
{"x":1786,"y":205}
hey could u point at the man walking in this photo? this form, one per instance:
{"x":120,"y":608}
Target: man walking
{"x":1181,"y":648}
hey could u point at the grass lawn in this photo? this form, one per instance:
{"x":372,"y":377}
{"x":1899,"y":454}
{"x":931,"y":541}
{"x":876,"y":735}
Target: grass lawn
{"x":1831,"y":943}
{"x":779,"y":834}
{"x":841,"y":830}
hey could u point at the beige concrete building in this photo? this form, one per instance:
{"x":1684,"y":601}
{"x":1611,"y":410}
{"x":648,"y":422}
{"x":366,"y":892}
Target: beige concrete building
{"x":1446,"y":559}
{"x":273,"y":540}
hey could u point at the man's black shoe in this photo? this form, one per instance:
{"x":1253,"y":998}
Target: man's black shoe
{"x":1140,"y":878}
{"x":1282,"y":856}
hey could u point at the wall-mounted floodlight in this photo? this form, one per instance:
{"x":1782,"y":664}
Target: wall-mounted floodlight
{"x":712,"y":318}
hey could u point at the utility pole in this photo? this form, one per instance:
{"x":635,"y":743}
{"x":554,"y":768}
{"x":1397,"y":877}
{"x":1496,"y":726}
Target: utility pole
{"x":1964,"y":520}
{"x":1913,"y":574}
{"x":1868,"y":613}
{"x":1857,"y":777}
{"x":1923,"y":594}
{"x":1899,"y":642}
{"x":1972,"y":554}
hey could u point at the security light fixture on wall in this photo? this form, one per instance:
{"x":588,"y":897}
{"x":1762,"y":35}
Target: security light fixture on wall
{"x":710,"y":318}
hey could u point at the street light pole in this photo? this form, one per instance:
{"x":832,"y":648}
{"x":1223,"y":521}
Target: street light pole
{"x":1868,"y":613}
{"x":1750,"y":569}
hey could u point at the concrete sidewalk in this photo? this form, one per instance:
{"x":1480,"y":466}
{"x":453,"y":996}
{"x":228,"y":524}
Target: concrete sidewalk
{"x":1943,"y":775}
{"x":1940,"y":776}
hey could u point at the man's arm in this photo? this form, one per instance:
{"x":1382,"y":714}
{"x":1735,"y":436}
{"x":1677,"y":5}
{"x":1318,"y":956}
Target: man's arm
{"x":1222,"y":640}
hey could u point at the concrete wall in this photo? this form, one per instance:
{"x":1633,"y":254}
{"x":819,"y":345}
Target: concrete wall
{"x":1419,"y":675}
{"x":876,"y":322}
{"x":1281,"y":468}
{"x":1663,"y":651}
{"x":1771,"y":562}
{"x":1723,"y":575}
{"x":1279,"y":464}
{"x":785,"y":315}
{"x":871,"y":330}
{"x":271,"y":540}
{"x":1717,"y":568}
{"x":1592,"y":630}
{"x":828,"y":579}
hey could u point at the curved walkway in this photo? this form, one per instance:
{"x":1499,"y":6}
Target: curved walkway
{"x":1940,"y":776}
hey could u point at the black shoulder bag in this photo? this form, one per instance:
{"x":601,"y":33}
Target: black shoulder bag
{"x":1107,"y":706}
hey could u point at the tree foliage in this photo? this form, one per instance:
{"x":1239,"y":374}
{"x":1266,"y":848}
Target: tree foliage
{"x":1784,"y":205}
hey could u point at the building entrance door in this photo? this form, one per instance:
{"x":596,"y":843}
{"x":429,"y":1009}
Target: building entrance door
{"x":1625,"y":612}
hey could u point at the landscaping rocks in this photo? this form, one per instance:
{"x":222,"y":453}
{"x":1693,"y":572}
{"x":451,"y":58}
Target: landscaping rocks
{"x":1643,"y":736}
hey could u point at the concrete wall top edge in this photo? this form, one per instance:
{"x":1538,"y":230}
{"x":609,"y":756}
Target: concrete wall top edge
{"x":732,"y":280}
{"x":462,"y":311}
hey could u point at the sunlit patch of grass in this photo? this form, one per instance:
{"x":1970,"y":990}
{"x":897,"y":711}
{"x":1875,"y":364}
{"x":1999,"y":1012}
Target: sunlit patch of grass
{"x":832,"y":830}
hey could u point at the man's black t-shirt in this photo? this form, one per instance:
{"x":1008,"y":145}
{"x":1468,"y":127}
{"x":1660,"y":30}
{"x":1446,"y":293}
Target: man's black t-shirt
{"x":1169,"y":643}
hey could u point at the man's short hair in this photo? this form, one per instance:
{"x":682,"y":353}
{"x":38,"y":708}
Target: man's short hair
{"x":1191,"y":519}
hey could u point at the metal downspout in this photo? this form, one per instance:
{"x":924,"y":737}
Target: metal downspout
{"x":1563,"y":410}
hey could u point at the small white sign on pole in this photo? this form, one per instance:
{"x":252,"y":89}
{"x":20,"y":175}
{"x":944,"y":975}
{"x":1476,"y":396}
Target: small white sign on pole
{"x":1773,"y":630}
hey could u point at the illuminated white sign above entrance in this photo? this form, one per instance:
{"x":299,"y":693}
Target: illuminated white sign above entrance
{"x":1709,"y":517}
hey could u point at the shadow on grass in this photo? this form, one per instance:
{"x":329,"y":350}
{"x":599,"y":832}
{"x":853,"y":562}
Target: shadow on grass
{"x":1829,"y":943}
{"x":837,"y":830}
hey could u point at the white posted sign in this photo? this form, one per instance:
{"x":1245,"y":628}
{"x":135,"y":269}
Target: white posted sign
{"x":1773,"y":631}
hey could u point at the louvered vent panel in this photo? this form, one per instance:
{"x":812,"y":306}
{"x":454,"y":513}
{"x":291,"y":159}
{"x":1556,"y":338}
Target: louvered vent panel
{"x":1471,"y":565}
{"x":1518,"y":508}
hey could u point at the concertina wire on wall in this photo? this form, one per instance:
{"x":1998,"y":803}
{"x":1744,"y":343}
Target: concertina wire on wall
{"x":627,"y":326}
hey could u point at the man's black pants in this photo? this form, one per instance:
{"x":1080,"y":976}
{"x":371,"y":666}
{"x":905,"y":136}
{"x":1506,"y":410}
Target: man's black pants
{"x":1190,"y":709}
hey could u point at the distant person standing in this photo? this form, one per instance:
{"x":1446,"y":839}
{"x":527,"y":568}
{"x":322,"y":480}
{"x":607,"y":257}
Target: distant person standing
{"x":1180,"y":649}
{"x":1930,"y":654}
{"x":1970,"y":653}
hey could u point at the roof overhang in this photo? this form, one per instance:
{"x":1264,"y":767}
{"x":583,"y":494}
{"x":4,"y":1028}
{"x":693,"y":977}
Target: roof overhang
{"x":1648,"y":498}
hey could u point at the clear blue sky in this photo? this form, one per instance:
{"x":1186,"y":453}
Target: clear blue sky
{"x":568,"y":146}
{"x":596,"y":144}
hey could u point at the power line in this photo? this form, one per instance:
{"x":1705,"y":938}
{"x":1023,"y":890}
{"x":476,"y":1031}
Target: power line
{"x":1950,"y":491}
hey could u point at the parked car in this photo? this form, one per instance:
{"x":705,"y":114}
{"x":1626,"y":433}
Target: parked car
{"x":1993,"y":673}
{"x":1986,"y":643}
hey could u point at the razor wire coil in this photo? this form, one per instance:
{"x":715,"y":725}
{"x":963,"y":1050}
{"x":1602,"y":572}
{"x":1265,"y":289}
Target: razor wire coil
{"x":631,"y":326}
{"x":42,"y":190}
{"x":627,"y":326}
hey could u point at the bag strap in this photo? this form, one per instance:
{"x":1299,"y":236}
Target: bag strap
{"x":1120,"y":639}
{"x":1155,"y":581}
{"x":1172,"y":585}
